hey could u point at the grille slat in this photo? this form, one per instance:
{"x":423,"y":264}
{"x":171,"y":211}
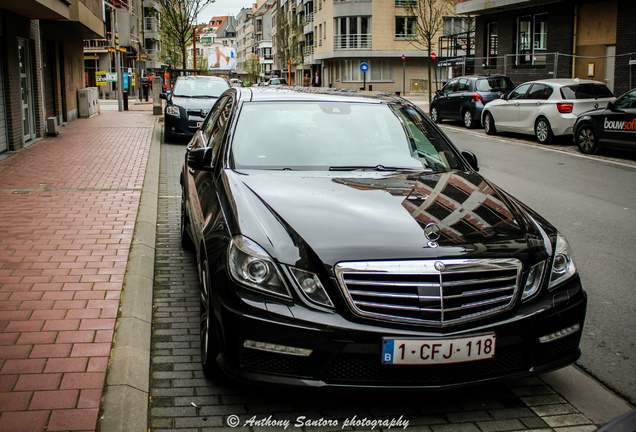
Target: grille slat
{"x":417,"y":292}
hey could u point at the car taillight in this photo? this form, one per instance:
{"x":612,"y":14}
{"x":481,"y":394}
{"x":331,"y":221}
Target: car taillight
{"x":565,"y":107}
{"x":477,"y":98}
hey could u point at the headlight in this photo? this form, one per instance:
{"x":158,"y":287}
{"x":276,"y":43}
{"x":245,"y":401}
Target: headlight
{"x":250,"y":265}
{"x":533,"y":283}
{"x":563,"y":266}
{"x":310,"y":286}
{"x":173,"y":110}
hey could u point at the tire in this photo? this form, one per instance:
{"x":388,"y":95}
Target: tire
{"x":210,"y":346}
{"x":586,"y":140}
{"x":435,"y":115}
{"x":543,"y":131}
{"x":186,"y":241}
{"x":469,"y":120}
{"x":489,"y":124}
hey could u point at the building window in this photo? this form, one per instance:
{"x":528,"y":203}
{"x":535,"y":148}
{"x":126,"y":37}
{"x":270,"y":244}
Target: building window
{"x":492,"y":50}
{"x":379,"y":70}
{"x":352,"y":33}
{"x":532,"y":32}
{"x":320,"y":35}
{"x":405,"y":27}
{"x":456,"y":25}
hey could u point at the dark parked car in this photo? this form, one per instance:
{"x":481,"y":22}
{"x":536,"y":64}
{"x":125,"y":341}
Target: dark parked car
{"x":343,"y":240}
{"x":189,"y":103}
{"x":464,"y":98}
{"x":614,"y":126}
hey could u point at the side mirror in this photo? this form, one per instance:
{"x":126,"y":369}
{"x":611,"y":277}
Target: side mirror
{"x":471,"y":158}
{"x":438,"y":92}
{"x":504,"y":96}
{"x":163,"y":96}
{"x":200,"y":158}
{"x":611,"y":106}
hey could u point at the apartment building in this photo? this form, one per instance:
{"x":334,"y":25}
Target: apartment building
{"x":125,"y":24}
{"x":347,"y":33}
{"x":534,"y":39}
{"x":42,"y":64}
{"x":245,"y":40}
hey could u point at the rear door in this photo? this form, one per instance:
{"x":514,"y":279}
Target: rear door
{"x":530,"y":105}
{"x":458,"y":98}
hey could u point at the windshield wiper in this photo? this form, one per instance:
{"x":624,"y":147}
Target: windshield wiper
{"x":369,"y":168}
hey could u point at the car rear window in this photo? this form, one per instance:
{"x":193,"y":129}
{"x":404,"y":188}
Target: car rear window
{"x":586,"y":91}
{"x":495,"y":84}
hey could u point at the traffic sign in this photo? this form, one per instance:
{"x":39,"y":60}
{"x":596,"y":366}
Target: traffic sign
{"x":364,"y":67}
{"x":403,"y":57}
{"x":433,"y":55}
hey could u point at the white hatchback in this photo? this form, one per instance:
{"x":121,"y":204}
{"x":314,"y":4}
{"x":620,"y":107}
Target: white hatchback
{"x":544,"y":108}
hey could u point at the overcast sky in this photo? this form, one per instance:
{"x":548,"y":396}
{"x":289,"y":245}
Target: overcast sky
{"x":222,"y":8}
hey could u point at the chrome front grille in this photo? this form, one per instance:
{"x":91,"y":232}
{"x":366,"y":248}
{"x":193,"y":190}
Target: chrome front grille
{"x":434,"y":292}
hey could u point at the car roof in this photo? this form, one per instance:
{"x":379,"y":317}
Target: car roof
{"x":307,"y":94}
{"x":200,"y":77}
{"x":561,"y":82}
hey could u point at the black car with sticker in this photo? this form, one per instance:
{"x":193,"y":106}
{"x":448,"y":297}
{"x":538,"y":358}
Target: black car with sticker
{"x":613,"y":126}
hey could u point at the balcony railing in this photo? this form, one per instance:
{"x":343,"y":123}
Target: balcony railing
{"x":402,"y":3}
{"x":123,"y":4}
{"x":96,"y":44}
{"x":352,"y":42}
{"x":352,"y":1}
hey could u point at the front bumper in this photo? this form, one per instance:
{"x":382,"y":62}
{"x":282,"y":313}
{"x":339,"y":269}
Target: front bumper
{"x":348,"y":353}
{"x":184,"y":126}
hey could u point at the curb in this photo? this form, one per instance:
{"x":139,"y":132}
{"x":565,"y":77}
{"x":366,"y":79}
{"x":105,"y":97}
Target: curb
{"x":125,"y":401}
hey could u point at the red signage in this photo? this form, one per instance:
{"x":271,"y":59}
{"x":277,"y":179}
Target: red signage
{"x":433,"y":55}
{"x":403,"y":57}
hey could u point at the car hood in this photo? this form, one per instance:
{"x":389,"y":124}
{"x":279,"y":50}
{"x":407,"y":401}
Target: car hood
{"x":369,"y":216}
{"x":193,"y":103}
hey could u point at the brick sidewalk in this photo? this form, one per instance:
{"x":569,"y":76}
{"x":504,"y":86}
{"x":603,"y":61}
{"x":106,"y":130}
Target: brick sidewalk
{"x":67,"y":215}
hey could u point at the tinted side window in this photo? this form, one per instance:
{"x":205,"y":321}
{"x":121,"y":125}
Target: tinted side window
{"x":539,"y":91}
{"x":462,"y":85}
{"x":206,"y":130}
{"x":450,"y":87}
{"x":519,"y":92}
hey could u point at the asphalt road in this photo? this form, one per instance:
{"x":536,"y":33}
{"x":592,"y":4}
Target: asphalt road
{"x":592,"y":201}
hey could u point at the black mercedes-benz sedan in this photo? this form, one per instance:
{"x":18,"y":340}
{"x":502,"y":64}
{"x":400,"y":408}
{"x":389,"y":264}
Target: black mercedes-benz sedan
{"x":343,"y":240}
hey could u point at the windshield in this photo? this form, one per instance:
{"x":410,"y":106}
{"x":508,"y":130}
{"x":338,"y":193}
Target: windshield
{"x":586,"y":91}
{"x":199,"y":88}
{"x":338,"y":136}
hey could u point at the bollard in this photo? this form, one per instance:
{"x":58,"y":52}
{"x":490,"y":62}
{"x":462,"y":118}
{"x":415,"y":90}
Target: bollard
{"x":125,"y":101}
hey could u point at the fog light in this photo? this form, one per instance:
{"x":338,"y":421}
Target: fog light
{"x":560,"y":334}
{"x":279,"y":349}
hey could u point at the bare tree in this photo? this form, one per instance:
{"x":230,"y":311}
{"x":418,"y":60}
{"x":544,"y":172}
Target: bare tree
{"x":427,"y":20}
{"x":177,"y":19}
{"x":253,"y":68}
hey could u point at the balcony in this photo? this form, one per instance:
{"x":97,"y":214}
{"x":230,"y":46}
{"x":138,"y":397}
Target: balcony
{"x":122,"y":4}
{"x":96,"y":45}
{"x":352,"y":42}
{"x":402,"y":3}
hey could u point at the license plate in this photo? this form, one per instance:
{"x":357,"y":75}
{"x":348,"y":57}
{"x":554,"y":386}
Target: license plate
{"x":438,"y":351}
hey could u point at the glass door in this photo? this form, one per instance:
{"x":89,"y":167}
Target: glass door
{"x":26,"y":89}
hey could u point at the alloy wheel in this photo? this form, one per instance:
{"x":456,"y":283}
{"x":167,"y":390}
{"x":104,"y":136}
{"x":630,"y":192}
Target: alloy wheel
{"x":468,"y":119}
{"x":543,"y":132}
{"x":586,"y":140}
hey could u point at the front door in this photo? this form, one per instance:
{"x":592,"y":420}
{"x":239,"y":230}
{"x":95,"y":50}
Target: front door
{"x":26,"y":89}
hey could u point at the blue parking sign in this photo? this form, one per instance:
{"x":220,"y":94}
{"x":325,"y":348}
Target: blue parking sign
{"x":364,"y":67}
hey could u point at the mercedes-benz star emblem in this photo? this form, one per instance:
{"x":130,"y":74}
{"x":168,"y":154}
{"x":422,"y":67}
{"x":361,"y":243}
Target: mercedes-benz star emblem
{"x":432,"y":232}
{"x":439,"y":266}
{"x":204,"y":113}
